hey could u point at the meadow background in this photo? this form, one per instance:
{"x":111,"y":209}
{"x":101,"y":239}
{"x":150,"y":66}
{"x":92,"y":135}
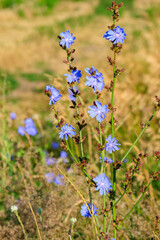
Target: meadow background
{"x":30,"y":58}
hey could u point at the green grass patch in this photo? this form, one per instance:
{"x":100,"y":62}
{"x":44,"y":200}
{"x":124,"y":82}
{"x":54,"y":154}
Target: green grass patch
{"x":10,"y":79}
{"x":36,"y":77}
{"x":153,"y":12}
{"x":45,"y":5}
{"x":46,"y":30}
{"x":74,"y":22}
{"x":10,"y":3}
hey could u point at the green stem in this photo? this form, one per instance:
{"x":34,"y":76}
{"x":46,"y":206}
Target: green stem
{"x":103,"y":170}
{"x":118,"y":200}
{"x":56,"y":113}
{"x":83,"y":169}
{"x":21,"y":225}
{"x":68,"y":58}
{"x":75,"y":159}
{"x":91,"y":203}
{"x":109,"y":224}
{"x":97,"y":222}
{"x":80,"y":132}
{"x":136,"y":204}
{"x":128,"y":153}
{"x":113,"y":134}
{"x":147,"y":124}
{"x":101,"y":142}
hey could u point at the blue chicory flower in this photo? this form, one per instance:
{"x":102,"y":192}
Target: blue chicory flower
{"x":108,"y":160}
{"x":59,"y":180}
{"x":29,"y":122}
{"x":66,"y":131}
{"x":50,"y":161}
{"x":67,"y":39}
{"x":92,"y":71}
{"x":74,"y":76}
{"x":111,"y":145}
{"x":85,"y":211}
{"x":49,"y":177}
{"x":103,"y":183}
{"x":95,"y":80}
{"x":63,"y":154}
{"x":98,"y":111}
{"x":116,"y":35}
{"x":21,"y":130}
{"x":32,"y":131}
{"x":30,"y":127}
{"x":55,"y":95}
{"x":54,"y":145}
{"x":13,"y":115}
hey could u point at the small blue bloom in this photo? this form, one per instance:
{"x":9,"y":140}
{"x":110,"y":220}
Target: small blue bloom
{"x":108,"y":160}
{"x":29,"y":122}
{"x":116,"y":35}
{"x":55,"y":95}
{"x":111,"y":145}
{"x":13,"y":115}
{"x":71,"y":94}
{"x":91,"y":71}
{"x":49,"y":177}
{"x":95,"y":80}
{"x":54,"y":145}
{"x":85,"y":212}
{"x":21,"y":130}
{"x":103,"y":183}
{"x":50,"y":161}
{"x":98,"y":111}
{"x":63,"y":154}
{"x":74,"y":76}
{"x":32,"y":131}
{"x":66,"y":131}
{"x":59,"y":180}
{"x":30,"y":127}
{"x":67,"y":39}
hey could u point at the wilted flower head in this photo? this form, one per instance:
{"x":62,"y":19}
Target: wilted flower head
{"x":66,"y":131}
{"x":85,"y":211}
{"x":74,"y":76}
{"x":13,"y":115}
{"x":111,"y":145}
{"x":98,"y":111}
{"x":116,"y":35}
{"x":66,"y":39}
{"x":103,"y":183}
{"x":14,"y":208}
